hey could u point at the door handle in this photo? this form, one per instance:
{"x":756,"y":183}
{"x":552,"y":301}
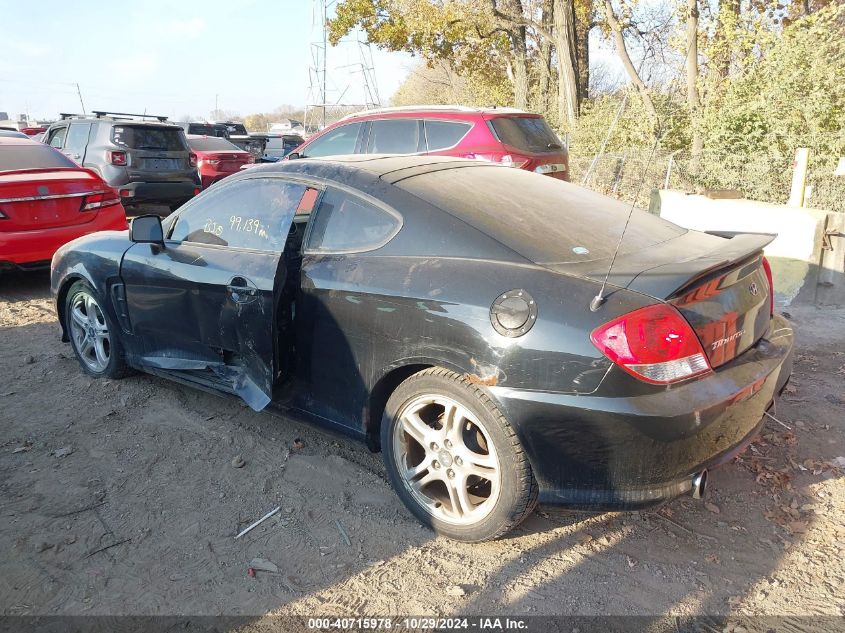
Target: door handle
{"x":241,"y":290}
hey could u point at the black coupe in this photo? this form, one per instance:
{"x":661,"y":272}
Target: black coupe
{"x":449,"y":312}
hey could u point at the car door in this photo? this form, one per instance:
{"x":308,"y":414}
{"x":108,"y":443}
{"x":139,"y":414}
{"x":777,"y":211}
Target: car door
{"x":204,"y":303}
{"x":396,"y":136}
{"x":76,"y":141}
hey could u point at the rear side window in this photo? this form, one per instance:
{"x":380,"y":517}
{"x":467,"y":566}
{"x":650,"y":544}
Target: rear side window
{"x":212,"y":144}
{"x":394,"y":136}
{"x":167,"y":139}
{"x":344,"y":222}
{"x":444,"y":134}
{"x":529,"y":134}
{"x":341,"y":140}
{"x":254,"y":214}
{"x":35,"y":156}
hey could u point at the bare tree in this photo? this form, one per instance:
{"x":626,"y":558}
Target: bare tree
{"x":564,"y":38}
{"x":693,"y":98}
{"x":633,"y":73}
{"x":518,"y":61}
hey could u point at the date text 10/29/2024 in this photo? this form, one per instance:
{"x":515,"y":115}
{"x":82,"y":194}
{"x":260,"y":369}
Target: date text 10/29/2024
{"x":419,"y":624}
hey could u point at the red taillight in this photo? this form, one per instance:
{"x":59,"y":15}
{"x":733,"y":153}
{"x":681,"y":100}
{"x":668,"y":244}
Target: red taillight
{"x":654,"y":343}
{"x":117,"y":158}
{"x":197,"y":191}
{"x":192,"y":159}
{"x":99,"y":200}
{"x":767,"y":268}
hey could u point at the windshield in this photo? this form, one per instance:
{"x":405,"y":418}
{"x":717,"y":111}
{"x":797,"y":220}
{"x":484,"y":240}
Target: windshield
{"x":33,"y":156}
{"x":529,"y":134}
{"x":212,"y":144}
{"x":543,"y":219}
{"x":170,"y":139}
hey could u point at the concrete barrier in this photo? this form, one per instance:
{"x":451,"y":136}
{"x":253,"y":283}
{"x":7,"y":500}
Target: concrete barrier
{"x":804,"y":267}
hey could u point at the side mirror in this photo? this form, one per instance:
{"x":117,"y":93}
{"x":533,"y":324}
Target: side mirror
{"x":146,"y":229}
{"x":294,"y":155}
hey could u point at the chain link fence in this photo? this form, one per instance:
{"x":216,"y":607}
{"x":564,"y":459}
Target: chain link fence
{"x":632,"y":175}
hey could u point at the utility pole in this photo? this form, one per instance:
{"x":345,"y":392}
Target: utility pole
{"x":325,"y":55}
{"x":79,"y":92}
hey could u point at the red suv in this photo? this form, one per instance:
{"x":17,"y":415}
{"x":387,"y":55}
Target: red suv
{"x":500,"y":135}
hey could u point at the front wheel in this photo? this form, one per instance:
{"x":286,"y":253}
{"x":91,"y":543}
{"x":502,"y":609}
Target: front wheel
{"x":454,"y":459}
{"x":94,"y":338}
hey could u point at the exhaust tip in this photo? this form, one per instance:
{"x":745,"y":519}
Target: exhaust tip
{"x":699,"y":484}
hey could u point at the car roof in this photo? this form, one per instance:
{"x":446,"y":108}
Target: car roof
{"x":389,"y":168}
{"x":115,"y":120}
{"x":433,"y":110}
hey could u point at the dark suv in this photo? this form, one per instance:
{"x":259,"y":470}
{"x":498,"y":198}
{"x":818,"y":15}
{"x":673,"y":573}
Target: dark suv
{"x":147,"y":161}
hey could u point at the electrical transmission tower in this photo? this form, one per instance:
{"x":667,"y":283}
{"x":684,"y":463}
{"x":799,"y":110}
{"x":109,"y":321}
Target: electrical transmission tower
{"x":325,"y":97}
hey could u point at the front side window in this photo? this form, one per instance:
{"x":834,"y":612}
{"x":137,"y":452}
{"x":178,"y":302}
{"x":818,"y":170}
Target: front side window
{"x":394,"y":136}
{"x":254,"y":213}
{"x":341,"y":140}
{"x":77,"y":138}
{"x":345,"y":222}
{"x":444,"y":134}
{"x":57,"y":137}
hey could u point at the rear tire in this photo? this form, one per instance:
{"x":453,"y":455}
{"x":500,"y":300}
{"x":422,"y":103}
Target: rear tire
{"x":454,"y":459}
{"x":94,"y":337}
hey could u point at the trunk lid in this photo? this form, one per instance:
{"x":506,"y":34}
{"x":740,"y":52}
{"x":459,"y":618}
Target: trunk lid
{"x":44,"y":199}
{"x":718,"y":284}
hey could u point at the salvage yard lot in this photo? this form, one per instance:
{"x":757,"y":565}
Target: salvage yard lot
{"x":121,"y":497}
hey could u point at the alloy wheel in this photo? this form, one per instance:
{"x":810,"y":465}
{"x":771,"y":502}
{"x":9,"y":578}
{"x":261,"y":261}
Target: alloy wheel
{"x":90,"y":332}
{"x":446,"y":460}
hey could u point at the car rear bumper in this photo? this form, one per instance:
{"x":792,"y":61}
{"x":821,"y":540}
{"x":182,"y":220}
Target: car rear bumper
{"x":623,"y":452}
{"x":34,"y":248}
{"x":160,"y":192}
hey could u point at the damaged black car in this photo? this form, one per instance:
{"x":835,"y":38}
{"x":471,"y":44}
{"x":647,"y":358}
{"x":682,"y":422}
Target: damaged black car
{"x":452,"y":314}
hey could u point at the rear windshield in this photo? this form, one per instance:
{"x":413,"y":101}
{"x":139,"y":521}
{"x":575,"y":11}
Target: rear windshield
{"x":212,"y":144}
{"x":35,"y":156}
{"x":237,"y":129}
{"x":206,"y":129}
{"x":530,"y":134}
{"x":169,"y":139}
{"x":544,"y":219}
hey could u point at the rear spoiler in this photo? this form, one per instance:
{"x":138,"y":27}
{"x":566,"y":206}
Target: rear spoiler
{"x":42,"y":170}
{"x":667,"y":280}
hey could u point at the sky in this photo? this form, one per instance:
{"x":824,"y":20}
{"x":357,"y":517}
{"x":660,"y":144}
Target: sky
{"x":173,"y":58}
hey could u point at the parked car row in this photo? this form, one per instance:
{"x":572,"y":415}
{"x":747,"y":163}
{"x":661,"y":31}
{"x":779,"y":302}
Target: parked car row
{"x":146,"y":159}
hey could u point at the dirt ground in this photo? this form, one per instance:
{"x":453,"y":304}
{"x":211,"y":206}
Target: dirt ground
{"x":120,"y":497}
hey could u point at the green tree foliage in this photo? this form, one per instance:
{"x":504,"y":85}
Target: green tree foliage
{"x":769,"y":77}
